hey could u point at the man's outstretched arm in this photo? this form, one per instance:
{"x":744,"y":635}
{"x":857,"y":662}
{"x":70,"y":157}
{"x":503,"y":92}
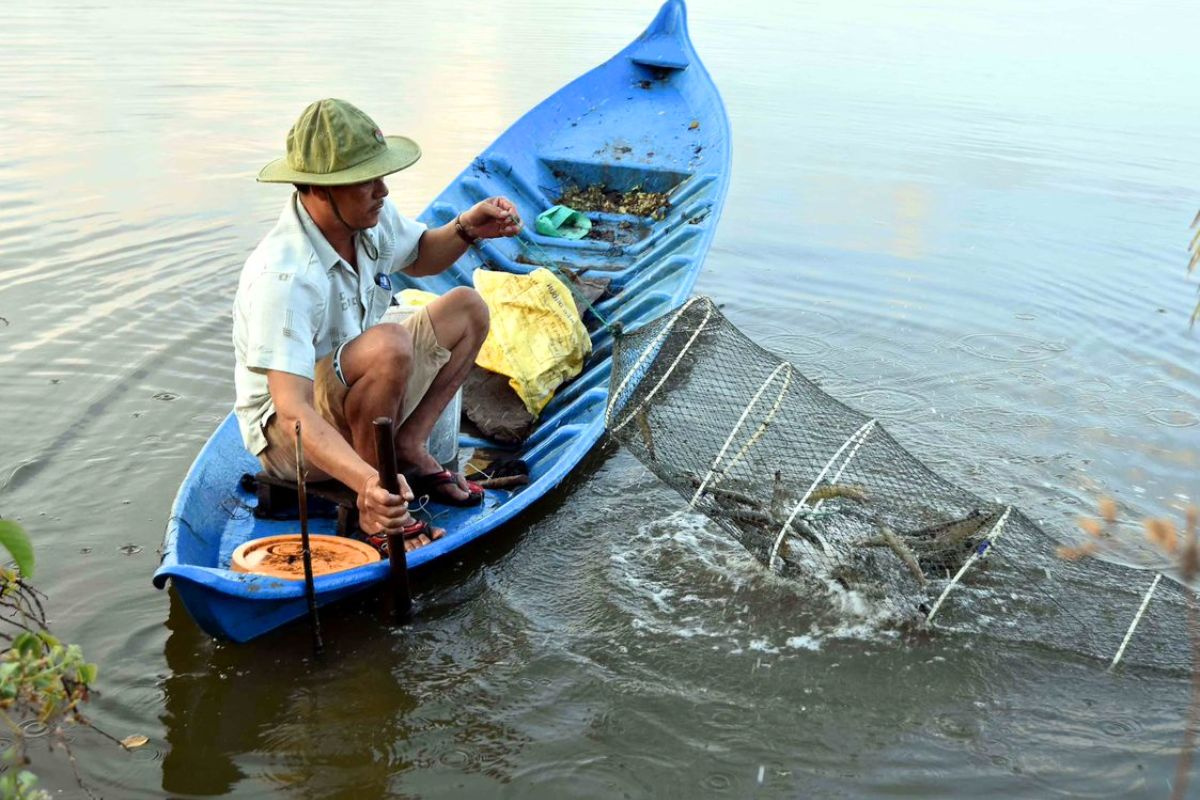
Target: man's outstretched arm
{"x":441,"y":247}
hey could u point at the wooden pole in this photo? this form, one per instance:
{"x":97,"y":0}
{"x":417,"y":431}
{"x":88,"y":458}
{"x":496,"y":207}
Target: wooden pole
{"x":385,"y":450}
{"x":310,"y":592}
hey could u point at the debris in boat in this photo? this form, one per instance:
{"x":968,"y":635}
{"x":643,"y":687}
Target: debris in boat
{"x":597,"y":198}
{"x":623,"y":233}
{"x":511,"y":482}
{"x":496,"y":471}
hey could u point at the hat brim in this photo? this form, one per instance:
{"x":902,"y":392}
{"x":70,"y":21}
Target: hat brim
{"x":401,"y":153}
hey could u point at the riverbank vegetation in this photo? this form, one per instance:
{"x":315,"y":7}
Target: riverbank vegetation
{"x":42,"y":680}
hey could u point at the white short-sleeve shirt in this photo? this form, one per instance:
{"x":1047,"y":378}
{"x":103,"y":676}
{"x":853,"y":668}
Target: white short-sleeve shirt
{"x":298,"y":300}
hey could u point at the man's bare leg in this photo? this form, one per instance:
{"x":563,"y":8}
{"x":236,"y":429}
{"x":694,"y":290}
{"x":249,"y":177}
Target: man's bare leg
{"x":376,"y":365}
{"x":460,"y":323}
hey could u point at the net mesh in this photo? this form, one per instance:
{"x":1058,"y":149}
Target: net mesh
{"x":822,"y":494}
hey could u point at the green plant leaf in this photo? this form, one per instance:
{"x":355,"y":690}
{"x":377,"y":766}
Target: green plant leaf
{"x":14,"y":539}
{"x":27,"y":644}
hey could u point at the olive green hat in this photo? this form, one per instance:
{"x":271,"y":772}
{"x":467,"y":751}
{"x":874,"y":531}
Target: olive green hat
{"x":335,"y":144}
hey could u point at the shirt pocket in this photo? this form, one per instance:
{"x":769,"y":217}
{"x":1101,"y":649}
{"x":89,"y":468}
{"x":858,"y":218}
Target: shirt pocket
{"x":379,"y":301}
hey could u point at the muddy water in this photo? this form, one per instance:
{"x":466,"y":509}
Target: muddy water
{"x":970,"y":223}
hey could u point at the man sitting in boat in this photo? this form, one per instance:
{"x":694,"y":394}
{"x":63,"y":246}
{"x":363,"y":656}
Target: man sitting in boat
{"x":306,"y":336}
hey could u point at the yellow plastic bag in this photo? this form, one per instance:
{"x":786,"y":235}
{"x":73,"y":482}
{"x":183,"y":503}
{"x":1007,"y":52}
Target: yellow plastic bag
{"x":537,"y":338}
{"x":415,"y":298}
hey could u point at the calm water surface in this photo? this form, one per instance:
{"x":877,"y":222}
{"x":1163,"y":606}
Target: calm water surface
{"x":968,"y":219}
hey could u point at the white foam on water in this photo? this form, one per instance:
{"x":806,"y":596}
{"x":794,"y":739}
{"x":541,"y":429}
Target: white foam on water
{"x":803,"y":643}
{"x":682,"y":577}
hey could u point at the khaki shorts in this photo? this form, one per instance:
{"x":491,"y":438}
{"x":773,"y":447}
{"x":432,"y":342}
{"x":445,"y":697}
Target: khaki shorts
{"x":329,"y":394}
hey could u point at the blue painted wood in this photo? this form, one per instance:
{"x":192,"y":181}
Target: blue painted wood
{"x":650,"y":117}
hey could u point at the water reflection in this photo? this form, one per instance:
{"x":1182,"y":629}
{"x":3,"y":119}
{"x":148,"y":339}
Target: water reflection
{"x":379,"y":703}
{"x":966,"y":221}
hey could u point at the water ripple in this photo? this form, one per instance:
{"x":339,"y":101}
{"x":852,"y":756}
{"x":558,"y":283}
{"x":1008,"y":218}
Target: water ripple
{"x":1015,"y":348}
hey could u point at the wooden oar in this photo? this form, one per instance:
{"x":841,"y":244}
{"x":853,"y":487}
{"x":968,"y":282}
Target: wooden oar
{"x":385,"y":450}
{"x":310,"y":593}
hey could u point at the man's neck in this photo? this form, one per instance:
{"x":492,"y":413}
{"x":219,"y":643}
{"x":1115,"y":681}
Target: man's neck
{"x":340,"y":238}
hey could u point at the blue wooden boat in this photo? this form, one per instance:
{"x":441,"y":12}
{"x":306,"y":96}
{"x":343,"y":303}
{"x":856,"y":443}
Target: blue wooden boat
{"x":648,"y":118}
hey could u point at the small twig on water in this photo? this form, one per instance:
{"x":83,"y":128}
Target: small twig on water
{"x":62,"y":740}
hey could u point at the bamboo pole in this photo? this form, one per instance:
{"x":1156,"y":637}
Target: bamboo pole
{"x":310,"y":592}
{"x":385,"y":450}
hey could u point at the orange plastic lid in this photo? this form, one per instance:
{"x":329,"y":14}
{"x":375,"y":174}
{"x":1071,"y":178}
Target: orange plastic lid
{"x":282,"y":556}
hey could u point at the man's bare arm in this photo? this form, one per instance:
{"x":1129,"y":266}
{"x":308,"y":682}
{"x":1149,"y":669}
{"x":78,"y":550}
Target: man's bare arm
{"x":441,"y":247}
{"x":324,"y":446}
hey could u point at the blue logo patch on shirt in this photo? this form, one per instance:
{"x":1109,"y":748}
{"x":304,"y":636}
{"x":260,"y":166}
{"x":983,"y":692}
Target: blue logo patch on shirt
{"x":383,"y":281}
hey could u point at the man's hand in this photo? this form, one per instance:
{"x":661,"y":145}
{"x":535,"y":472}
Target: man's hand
{"x":492,"y":218}
{"x":380,"y":511}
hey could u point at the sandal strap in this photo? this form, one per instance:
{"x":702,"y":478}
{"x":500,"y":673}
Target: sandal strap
{"x":380,"y":540}
{"x":418,"y":527}
{"x":427,"y":483}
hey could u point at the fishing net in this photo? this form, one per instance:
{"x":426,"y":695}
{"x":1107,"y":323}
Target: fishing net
{"x":822,"y":494}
